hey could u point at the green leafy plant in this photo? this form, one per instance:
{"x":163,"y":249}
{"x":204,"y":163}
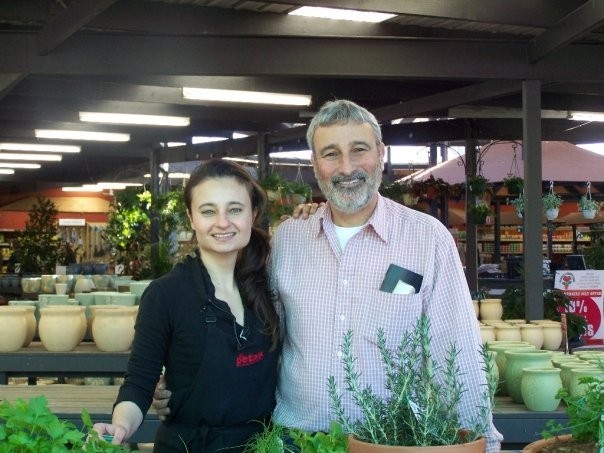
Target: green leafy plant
{"x":334,"y":441}
{"x":479,"y":213}
{"x":585,"y":414}
{"x":513,"y":304}
{"x":555,"y":302}
{"x":272,"y":440}
{"x":518,"y":204}
{"x":477,"y":184}
{"x":29,"y":426}
{"x":588,"y":204}
{"x":551,"y":200}
{"x":594,"y":255}
{"x":422,"y":408}
{"x":39,"y":244}
{"x":513,"y":183}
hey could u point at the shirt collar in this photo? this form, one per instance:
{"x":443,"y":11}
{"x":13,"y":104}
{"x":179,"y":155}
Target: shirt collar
{"x":377,"y":221}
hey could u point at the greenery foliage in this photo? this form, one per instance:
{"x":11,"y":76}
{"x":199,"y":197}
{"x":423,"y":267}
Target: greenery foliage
{"x":479,"y":213}
{"x":129,"y":230}
{"x":551,"y":200}
{"x":39,"y":244}
{"x":284,"y":195}
{"x":513,"y":183}
{"x":271,"y":440}
{"x":422,"y":408}
{"x":587,"y":204}
{"x":29,"y":426}
{"x":554,"y":303}
{"x":594,"y":256}
{"x":518,"y":203}
{"x":477,"y":184}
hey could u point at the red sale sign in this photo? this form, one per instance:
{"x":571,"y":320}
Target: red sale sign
{"x":584,"y":289}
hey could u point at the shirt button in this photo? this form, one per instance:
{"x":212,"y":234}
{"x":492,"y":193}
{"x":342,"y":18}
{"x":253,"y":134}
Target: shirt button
{"x":344,"y":282}
{"x":339,"y":354}
{"x":342,"y":317}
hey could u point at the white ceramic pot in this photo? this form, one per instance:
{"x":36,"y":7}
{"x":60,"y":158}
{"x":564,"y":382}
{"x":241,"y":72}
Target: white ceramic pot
{"x":61,"y":288}
{"x":589,"y":213}
{"x":124,"y":299}
{"x":533,"y":334}
{"x":61,"y":327}
{"x":552,"y":336}
{"x":491,"y":309}
{"x":83,"y":285}
{"x":507,"y":332}
{"x":487,"y":333}
{"x":551,"y":214}
{"x":13,"y":328}
{"x":113,"y":329}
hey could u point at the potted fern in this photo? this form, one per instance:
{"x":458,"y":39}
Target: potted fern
{"x":422,"y":408}
{"x":477,"y":184}
{"x":479,"y":213}
{"x":514,"y":184}
{"x":588,"y":206}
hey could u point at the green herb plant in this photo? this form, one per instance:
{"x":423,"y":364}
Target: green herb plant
{"x":271,"y":440}
{"x":422,"y":408}
{"x":585,"y":414}
{"x":30,"y":427}
{"x":586,"y":203}
{"x":551,"y":200}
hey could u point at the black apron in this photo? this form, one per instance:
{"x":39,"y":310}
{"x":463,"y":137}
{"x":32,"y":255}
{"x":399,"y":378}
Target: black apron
{"x":182,"y":433}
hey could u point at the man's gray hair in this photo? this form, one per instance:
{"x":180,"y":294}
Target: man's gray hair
{"x":341,"y":112}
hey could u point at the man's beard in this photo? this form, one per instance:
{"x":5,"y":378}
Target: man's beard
{"x":351,"y":200}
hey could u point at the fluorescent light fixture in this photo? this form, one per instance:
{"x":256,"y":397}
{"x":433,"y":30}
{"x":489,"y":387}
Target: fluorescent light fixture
{"x":26,"y":156}
{"x":82,"y":189}
{"x":38,"y":147}
{"x":586,"y":116}
{"x":237,"y":135}
{"x":82,"y":135}
{"x":341,"y":14}
{"x":195,"y":140}
{"x":6,"y":171}
{"x":19,"y":165}
{"x":127,"y":118}
{"x":249,"y":97}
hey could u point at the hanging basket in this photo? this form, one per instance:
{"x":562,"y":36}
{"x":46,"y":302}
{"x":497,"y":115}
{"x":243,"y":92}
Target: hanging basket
{"x":477,"y":184}
{"x":552,"y":214}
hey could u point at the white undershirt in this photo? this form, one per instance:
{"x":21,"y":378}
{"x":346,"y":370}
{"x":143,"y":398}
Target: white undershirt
{"x":345,"y":233}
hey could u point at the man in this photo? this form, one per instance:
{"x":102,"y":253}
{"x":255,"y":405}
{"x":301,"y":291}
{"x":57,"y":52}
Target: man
{"x":328,"y":271}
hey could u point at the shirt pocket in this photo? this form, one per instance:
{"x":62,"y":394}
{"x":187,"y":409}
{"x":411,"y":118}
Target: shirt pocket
{"x":393,"y":313}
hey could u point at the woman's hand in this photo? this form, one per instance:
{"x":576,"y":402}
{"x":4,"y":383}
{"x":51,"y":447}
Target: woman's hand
{"x":117,"y":432}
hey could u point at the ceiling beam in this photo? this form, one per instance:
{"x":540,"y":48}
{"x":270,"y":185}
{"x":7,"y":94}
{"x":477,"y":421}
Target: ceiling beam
{"x":62,"y":26}
{"x":577,"y":24}
{"x":8,"y":81}
{"x":438,"y":101}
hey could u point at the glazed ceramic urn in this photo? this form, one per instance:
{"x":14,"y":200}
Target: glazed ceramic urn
{"x":517,"y":361}
{"x":13,"y":328}
{"x":539,"y":387}
{"x":61,"y":327}
{"x":507,"y":332}
{"x":113,"y":328}
{"x":576,"y":388}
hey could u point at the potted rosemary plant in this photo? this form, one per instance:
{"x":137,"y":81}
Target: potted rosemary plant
{"x":422,"y":408}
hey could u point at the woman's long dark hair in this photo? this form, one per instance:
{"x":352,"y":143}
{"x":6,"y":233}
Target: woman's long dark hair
{"x":251,"y":273}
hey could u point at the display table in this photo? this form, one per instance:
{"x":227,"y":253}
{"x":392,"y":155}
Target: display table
{"x":85,"y":361}
{"x":517,"y":424}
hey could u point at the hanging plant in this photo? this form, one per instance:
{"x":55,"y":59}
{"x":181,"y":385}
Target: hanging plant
{"x":477,"y":184}
{"x":587,"y":205}
{"x":479,"y":213}
{"x":513,"y":182}
{"x":551,"y":202}
{"x":518,"y":204}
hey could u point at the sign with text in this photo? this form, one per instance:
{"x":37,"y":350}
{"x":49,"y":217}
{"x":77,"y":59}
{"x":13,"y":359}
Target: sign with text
{"x":584,"y":289}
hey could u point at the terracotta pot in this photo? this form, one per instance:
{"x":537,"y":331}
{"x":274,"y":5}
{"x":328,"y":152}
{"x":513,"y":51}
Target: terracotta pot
{"x":539,"y":445}
{"x":356,"y":446}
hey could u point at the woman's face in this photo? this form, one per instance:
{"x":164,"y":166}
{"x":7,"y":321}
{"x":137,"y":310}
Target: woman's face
{"x":221,"y":215}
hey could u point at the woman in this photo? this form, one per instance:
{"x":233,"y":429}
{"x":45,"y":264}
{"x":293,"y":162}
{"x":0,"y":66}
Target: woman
{"x":211,"y":322}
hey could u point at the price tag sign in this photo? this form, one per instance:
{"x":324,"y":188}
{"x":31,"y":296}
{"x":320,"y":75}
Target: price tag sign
{"x":584,"y":289}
